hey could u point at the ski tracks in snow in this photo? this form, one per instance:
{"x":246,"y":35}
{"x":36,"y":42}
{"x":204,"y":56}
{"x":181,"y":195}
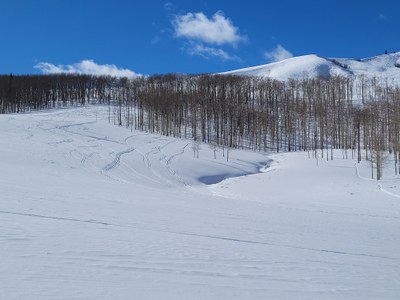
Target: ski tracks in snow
{"x":117,"y":160}
{"x":158,"y":164}
{"x":379,"y":185}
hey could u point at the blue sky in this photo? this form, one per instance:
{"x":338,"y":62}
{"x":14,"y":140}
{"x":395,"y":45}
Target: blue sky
{"x":149,"y":37}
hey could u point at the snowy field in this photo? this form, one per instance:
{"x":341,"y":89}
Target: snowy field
{"x":90,"y":210}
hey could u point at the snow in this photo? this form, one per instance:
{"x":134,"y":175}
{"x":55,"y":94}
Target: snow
{"x":311,"y":66}
{"x":90,"y":210}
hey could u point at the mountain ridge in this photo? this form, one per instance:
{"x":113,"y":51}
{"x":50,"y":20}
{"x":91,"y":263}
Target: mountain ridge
{"x":385,"y":66}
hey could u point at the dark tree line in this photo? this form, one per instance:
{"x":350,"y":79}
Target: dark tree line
{"x":359,"y":115}
{"x":36,"y":92}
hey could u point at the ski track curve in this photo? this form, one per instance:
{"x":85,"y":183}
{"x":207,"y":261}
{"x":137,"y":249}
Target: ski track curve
{"x":117,"y":160}
{"x":379,"y":185}
{"x":166,"y":163}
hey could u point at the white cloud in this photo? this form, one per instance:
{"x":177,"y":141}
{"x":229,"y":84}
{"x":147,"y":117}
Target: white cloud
{"x":85,"y":67}
{"x":218,"y":30}
{"x":277,"y":54}
{"x":207,"y":52}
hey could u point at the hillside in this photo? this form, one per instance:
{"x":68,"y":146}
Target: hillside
{"x":90,"y":210}
{"x":382,"y":66}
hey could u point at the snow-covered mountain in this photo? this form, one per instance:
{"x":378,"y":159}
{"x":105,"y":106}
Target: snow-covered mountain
{"x":381,"y":66}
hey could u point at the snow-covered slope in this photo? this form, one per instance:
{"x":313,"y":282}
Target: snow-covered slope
{"x":382,"y":66}
{"x":89,"y":210}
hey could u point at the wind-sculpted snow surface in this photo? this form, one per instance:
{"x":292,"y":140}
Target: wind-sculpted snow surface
{"x":89,"y":210}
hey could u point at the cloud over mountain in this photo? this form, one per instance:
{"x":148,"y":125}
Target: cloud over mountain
{"x":277,"y":54}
